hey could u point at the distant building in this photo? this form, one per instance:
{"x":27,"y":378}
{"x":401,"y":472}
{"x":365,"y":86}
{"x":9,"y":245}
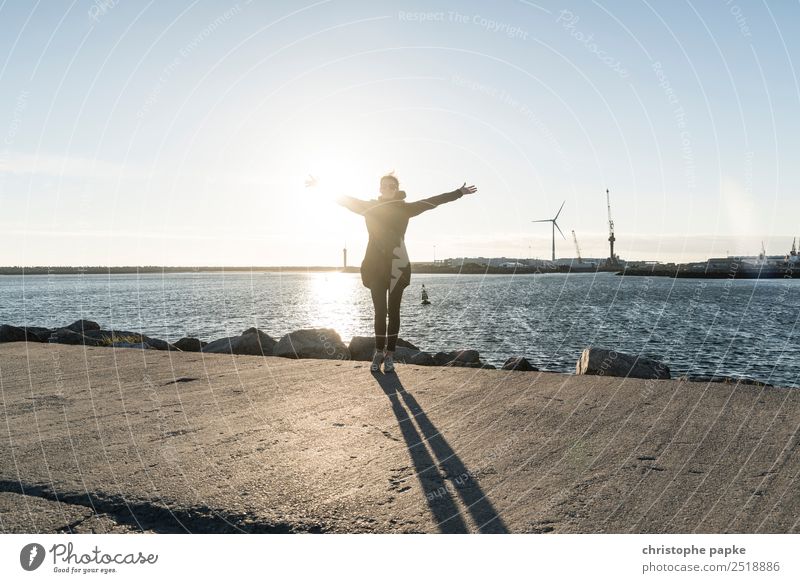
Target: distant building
{"x":492,"y":261}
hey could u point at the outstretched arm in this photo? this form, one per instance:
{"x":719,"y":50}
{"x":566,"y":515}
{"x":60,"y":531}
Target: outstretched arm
{"x":354,"y":204}
{"x":426,"y":204}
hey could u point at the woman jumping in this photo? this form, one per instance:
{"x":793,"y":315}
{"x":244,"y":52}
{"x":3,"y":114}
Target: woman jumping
{"x":386,"y":269}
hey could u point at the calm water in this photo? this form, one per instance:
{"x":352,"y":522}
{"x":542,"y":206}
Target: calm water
{"x":732,"y":327}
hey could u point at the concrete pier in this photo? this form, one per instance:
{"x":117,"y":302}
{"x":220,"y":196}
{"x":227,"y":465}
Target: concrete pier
{"x":98,"y":439}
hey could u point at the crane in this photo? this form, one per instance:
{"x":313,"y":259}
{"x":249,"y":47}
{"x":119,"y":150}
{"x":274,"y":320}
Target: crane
{"x":577,"y":247}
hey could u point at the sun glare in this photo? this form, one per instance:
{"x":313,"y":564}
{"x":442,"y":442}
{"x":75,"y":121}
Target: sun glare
{"x":335,"y":294}
{"x":331,"y":287}
{"x":338,"y":169}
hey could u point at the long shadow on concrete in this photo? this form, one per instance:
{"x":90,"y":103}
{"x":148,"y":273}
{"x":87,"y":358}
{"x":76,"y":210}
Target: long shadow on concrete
{"x":434,"y":475}
{"x":157,"y":517}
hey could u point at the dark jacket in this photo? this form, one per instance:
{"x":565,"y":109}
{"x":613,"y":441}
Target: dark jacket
{"x":386,"y":264}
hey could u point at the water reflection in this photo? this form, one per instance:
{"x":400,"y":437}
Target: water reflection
{"x":335,"y":299}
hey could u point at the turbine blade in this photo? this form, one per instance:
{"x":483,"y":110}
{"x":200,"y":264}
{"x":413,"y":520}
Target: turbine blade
{"x":559,"y":211}
{"x":559,"y":229}
{"x":542,"y":221}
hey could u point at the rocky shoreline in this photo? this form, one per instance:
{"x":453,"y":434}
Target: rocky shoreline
{"x":325,"y":343}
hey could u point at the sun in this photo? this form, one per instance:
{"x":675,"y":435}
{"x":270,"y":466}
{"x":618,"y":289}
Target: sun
{"x":329,"y":179}
{"x":327,"y":226}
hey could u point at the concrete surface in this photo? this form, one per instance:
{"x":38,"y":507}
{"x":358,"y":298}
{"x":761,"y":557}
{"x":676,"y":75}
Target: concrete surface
{"x":128,"y":440}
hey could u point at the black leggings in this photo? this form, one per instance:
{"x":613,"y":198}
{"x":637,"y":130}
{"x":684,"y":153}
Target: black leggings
{"x":382,"y":308}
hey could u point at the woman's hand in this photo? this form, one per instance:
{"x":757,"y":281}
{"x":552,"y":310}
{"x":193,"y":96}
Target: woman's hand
{"x":467,"y":189}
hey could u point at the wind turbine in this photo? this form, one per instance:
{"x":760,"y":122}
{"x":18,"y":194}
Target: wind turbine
{"x":555,"y":226}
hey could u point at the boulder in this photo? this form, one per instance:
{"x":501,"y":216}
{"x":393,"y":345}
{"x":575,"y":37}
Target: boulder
{"x":602,"y":361}
{"x":10,"y":333}
{"x":38,"y":334}
{"x":458,"y":363}
{"x":460,"y":358}
{"x":189,"y":344}
{"x":226,"y":345}
{"x":362,"y":347}
{"x":723,"y":379}
{"x":103,"y":335}
{"x":111,"y":337}
{"x":312,"y":343}
{"x":143,"y":345}
{"x":518,"y":363}
{"x":83,"y":326}
{"x":457,"y":358}
{"x":252,"y":341}
{"x":157,"y":343}
{"x":405,"y":344}
{"x":413,"y":356}
{"x":67,"y":336}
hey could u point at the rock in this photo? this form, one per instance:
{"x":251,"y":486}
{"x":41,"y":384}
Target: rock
{"x":252,"y":341}
{"x":10,"y":333}
{"x":189,"y":344}
{"x":457,"y":358}
{"x":458,"y":363}
{"x":362,"y":347}
{"x":601,"y":361}
{"x":222,"y":345}
{"x":157,"y":343}
{"x":83,"y":326}
{"x":405,"y":344}
{"x":79,"y":332}
{"x":723,"y":379}
{"x":413,"y":356}
{"x":58,"y":335}
{"x":105,"y":335}
{"x":67,"y":336}
{"x":518,"y":363}
{"x":111,"y":337}
{"x":312,"y":343}
{"x":143,"y":345}
{"x":460,"y":358}
{"x":38,"y":334}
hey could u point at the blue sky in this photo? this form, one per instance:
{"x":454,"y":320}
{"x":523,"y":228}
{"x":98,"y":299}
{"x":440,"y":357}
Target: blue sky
{"x":180,"y":133}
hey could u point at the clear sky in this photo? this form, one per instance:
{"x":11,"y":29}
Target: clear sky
{"x":181,"y":133}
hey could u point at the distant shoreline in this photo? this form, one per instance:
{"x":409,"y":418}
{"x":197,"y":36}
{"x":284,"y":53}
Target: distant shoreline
{"x":467,"y":268}
{"x":103,"y":270}
{"x":417,"y":268}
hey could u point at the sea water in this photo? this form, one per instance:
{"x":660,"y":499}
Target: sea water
{"x":696,"y":326}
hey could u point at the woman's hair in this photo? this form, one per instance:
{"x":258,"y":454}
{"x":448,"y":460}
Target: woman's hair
{"x":391,"y":176}
{"x":400,"y":195}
